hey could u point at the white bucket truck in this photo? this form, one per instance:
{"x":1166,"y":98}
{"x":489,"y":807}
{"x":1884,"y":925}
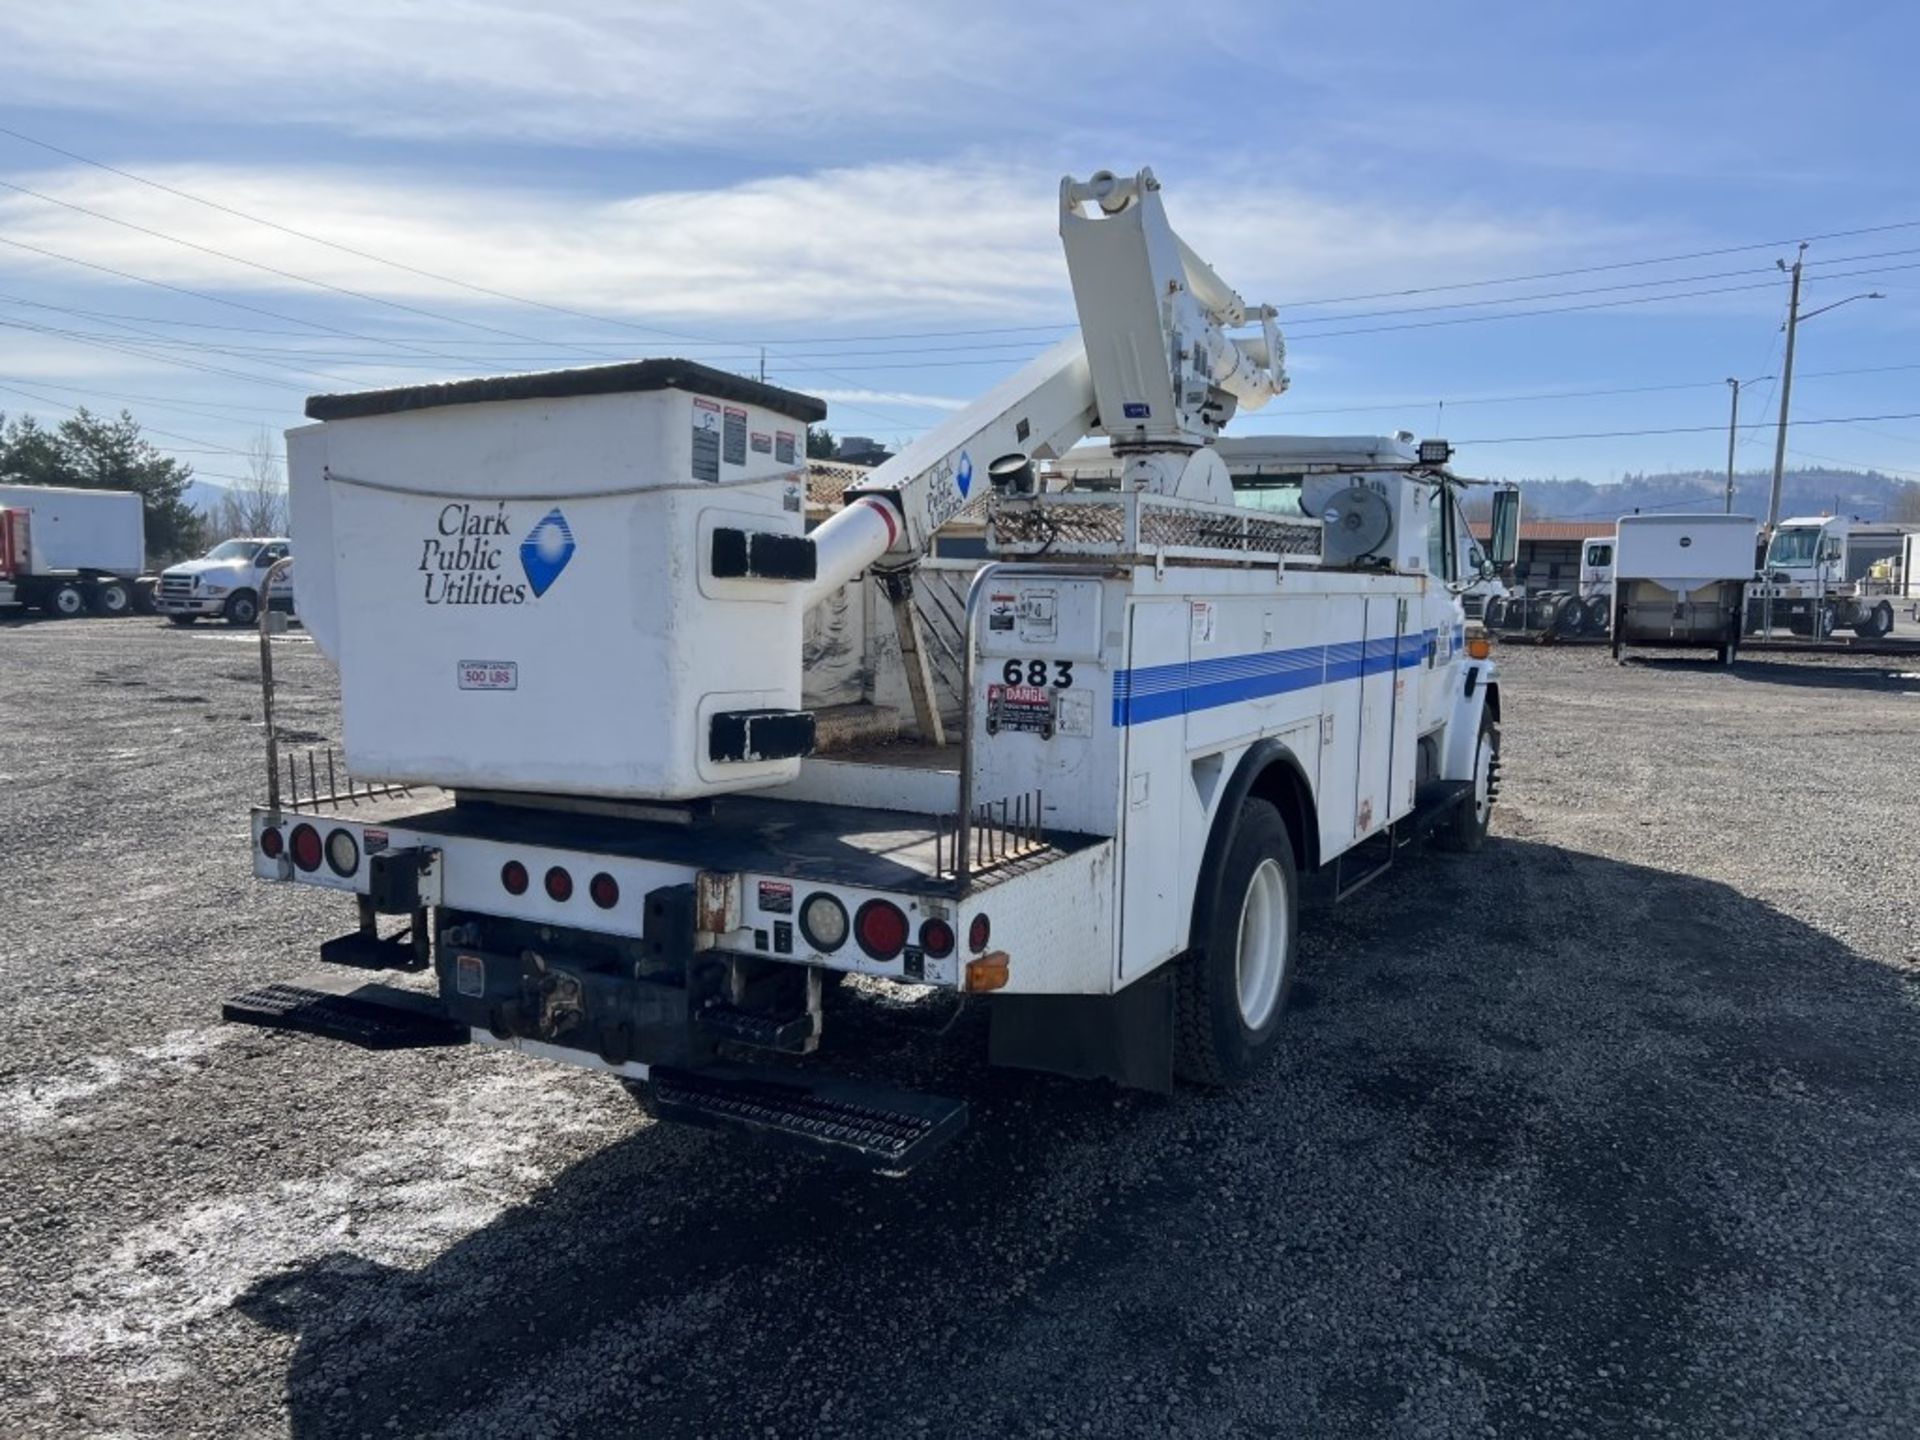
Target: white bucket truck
{"x":574,"y":601}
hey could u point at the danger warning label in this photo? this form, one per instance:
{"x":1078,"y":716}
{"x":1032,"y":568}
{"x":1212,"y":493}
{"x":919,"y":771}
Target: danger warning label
{"x":1027,"y":708}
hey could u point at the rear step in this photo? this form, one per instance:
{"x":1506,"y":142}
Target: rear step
{"x":869,"y":1126}
{"x":769,"y":1030}
{"x":372,"y":1016}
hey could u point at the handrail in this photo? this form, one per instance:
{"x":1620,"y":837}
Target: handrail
{"x":266,"y":686}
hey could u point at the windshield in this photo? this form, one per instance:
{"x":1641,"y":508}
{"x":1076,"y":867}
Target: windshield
{"x":1794,"y":546}
{"x":233,"y":550}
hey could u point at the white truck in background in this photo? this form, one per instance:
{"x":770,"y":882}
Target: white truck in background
{"x":227,"y":582}
{"x":67,"y":551}
{"x":574,"y":603}
{"x":1681,"y":581}
{"x":1811,"y":586}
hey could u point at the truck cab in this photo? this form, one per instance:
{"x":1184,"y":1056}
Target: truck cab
{"x":227,"y":581}
{"x":1807,"y":584}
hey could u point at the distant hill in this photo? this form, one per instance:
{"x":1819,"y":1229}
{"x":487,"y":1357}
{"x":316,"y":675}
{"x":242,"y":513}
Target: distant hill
{"x":1866,"y":494}
{"x":203,"y":495}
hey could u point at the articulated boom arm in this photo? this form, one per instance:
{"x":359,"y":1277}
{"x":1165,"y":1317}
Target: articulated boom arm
{"x":1153,"y":367}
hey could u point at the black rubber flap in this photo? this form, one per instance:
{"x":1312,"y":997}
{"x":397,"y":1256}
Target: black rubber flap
{"x":872,"y":1127}
{"x":631,"y":377}
{"x":374,"y":1017}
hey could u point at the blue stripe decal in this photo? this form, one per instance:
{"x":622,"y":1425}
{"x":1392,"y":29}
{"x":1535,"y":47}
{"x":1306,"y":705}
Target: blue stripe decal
{"x":1155,"y":692}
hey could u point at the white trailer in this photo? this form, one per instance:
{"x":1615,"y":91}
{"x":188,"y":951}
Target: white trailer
{"x":66,"y":551}
{"x":575,"y":601}
{"x":1811,"y":585}
{"x":1681,"y":581}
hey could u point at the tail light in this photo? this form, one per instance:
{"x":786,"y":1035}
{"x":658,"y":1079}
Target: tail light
{"x":936,"y":938}
{"x":823,"y":922}
{"x":979,"y":933}
{"x":559,"y":885}
{"x":605,"y":890}
{"x":343,"y":853}
{"x":272,"y":843}
{"x":881,"y":928}
{"x":307,"y":849}
{"x":513,"y":878}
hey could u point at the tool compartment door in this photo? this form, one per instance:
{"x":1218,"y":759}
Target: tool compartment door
{"x":1152,"y":709}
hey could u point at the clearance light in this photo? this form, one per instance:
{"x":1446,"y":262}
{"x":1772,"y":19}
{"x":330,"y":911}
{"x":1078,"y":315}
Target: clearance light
{"x":559,"y":885}
{"x":513,"y":877}
{"x":605,"y":890}
{"x":881,"y":928}
{"x":936,"y":938}
{"x":343,"y":853}
{"x":1479,"y":646}
{"x":306,"y":847}
{"x":986,"y":972}
{"x":272,"y":843}
{"x":823,"y":922}
{"x":979,"y":933}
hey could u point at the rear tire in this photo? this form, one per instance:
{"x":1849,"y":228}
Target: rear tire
{"x":114,"y":597}
{"x":1466,"y":831}
{"x":1599,"y":615}
{"x":1231,"y":989}
{"x":241,"y":608}
{"x":65,"y":601}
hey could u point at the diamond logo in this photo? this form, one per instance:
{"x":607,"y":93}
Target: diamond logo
{"x":963,"y":474}
{"x":546,"y":551}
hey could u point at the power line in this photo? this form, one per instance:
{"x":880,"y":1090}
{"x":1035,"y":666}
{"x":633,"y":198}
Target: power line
{"x":1675,"y":430}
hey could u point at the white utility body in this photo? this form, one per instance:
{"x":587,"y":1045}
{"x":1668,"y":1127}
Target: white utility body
{"x":1199,"y":672}
{"x":1680,"y":580}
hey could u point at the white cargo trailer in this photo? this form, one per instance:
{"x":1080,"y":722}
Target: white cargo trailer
{"x":67,"y":550}
{"x":1681,"y":581}
{"x":575,"y":603}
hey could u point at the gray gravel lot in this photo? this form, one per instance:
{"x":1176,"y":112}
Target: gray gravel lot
{"x":1613,"y":1129}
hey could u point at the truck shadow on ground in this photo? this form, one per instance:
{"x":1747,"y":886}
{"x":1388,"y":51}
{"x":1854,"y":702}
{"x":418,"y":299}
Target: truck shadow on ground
{"x":1892,"y":675}
{"x":1484,"y":1183}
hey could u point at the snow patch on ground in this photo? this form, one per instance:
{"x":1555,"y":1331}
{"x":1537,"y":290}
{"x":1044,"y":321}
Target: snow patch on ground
{"x":44,"y":1102}
{"x":398,"y":1202}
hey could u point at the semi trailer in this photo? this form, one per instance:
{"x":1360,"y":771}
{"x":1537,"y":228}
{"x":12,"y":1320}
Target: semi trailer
{"x":1204,"y":679}
{"x":1681,"y":581}
{"x":68,"y":551}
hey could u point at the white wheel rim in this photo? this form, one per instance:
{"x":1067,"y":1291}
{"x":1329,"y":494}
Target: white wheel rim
{"x":113,"y":600}
{"x":1483,"y":781}
{"x":1261,"y":959}
{"x":68,"y":602}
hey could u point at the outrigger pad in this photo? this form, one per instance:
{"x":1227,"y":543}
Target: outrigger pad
{"x":374,"y":1017}
{"x":871,"y":1127}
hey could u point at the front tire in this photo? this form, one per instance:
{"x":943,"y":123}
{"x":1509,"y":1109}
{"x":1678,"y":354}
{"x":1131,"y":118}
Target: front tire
{"x":1231,"y":989}
{"x":1466,"y":831}
{"x":241,"y":608}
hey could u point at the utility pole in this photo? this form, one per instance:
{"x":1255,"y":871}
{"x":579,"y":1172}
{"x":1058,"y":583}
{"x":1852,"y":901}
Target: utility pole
{"x":1733,"y":430}
{"x":1786,"y":394}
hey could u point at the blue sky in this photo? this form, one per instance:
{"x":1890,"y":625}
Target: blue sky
{"x":869,"y":193}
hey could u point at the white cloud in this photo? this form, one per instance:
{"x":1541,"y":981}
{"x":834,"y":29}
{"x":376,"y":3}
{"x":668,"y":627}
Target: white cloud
{"x":844,"y":248}
{"x":906,"y":398}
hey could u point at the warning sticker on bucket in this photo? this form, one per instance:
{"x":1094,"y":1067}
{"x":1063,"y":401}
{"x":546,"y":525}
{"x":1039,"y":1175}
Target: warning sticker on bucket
{"x":489,"y":674}
{"x":1020,"y":707}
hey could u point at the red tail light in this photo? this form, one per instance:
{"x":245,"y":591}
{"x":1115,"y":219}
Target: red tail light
{"x":605,"y":890}
{"x":881,"y":928}
{"x":979,"y":933}
{"x":936,"y":938}
{"x":513,"y":877}
{"x":272,"y":843}
{"x":559,"y":885}
{"x":307,"y":850}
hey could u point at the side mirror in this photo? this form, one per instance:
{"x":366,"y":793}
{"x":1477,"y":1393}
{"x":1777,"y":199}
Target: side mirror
{"x":1503,"y":544}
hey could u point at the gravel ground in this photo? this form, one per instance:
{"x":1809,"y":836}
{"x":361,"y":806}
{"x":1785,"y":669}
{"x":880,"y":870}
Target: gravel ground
{"x":1611,"y":1129}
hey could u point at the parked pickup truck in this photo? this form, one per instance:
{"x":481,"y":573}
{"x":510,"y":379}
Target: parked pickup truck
{"x":225,"y":582}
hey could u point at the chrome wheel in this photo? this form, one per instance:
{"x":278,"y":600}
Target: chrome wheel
{"x":1261,"y":957}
